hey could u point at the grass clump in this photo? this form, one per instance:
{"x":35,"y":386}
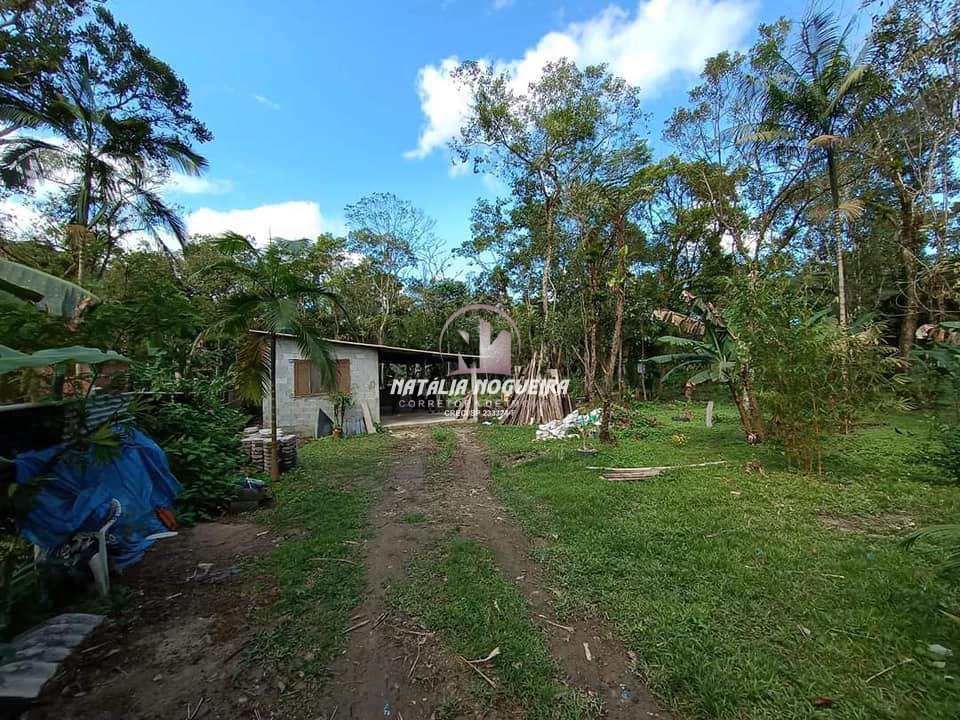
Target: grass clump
{"x":446,"y":440}
{"x":459,"y":592}
{"x":740,"y":596}
{"x":323,"y":504}
{"x":414,"y":518}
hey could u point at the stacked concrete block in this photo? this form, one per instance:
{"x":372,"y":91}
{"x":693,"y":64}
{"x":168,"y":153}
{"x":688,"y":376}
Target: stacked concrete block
{"x":33,"y":657}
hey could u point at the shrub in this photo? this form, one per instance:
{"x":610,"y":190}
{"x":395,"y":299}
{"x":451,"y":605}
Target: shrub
{"x":934,"y":377}
{"x":812,"y":376}
{"x":950,"y":455}
{"x":199,"y":433}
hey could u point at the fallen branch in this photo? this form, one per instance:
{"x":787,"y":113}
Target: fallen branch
{"x":892,"y":667}
{"x":640,"y":473}
{"x":548,"y":621}
{"x":192,"y":715}
{"x":354,"y":627}
{"x":488,"y":658}
{"x":413,"y":632}
{"x":658,"y":467}
{"x":417,"y":658}
{"x":478,"y":671}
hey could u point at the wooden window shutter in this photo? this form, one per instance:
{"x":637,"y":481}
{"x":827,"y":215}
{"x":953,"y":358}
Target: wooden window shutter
{"x":343,"y":376}
{"x":301,"y":377}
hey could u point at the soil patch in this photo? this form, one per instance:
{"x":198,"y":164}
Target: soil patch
{"x":180,"y":641}
{"x":882,"y":523}
{"x":607,"y":673}
{"x":392,"y":667}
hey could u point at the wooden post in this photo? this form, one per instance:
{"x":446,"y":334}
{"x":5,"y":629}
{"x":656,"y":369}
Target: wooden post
{"x":710,"y":414}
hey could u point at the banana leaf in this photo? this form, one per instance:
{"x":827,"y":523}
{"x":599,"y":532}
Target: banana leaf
{"x":55,"y":295}
{"x":12,"y":360}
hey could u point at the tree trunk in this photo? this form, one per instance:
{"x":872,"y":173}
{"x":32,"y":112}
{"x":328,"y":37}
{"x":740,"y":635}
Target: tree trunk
{"x":620,"y":294}
{"x":275,"y":456}
{"x":757,"y":426}
{"x":837,"y":236}
{"x":908,"y":252}
{"x":605,"y":420}
{"x":741,"y":408}
{"x":545,"y":278}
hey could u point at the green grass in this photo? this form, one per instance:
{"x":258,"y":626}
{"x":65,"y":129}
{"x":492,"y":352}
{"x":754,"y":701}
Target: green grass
{"x":458,"y":591}
{"x":414,"y":518}
{"x":324,"y":506}
{"x":446,"y":440}
{"x":713,"y":575}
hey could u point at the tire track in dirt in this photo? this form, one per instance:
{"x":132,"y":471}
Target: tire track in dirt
{"x":392,"y":667}
{"x":467,"y":500}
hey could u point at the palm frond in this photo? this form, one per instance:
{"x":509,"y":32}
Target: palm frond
{"x":946,"y":536}
{"x":184,"y":156}
{"x":231,"y":243}
{"x":850,"y":209}
{"x":852,"y":80}
{"x":685,"y":323}
{"x":252,"y":369}
{"x":314,"y":347}
{"x":826,"y":141}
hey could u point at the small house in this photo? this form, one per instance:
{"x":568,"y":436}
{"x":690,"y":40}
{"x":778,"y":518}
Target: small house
{"x":366,"y":371}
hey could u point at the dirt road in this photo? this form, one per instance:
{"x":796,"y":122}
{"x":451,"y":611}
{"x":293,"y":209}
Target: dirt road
{"x":393,"y":666}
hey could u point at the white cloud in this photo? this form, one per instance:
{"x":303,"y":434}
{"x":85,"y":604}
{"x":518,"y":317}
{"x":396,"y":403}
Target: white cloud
{"x":196,"y":185}
{"x":444,"y":101}
{"x":661,"y":39}
{"x":264,"y":100}
{"x":501,"y":4}
{"x":292,"y":220}
{"x":21,"y":216}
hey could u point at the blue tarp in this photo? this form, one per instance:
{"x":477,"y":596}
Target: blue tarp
{"x":77,"y":496}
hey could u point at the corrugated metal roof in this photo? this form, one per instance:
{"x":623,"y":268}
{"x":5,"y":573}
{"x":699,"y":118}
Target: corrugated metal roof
{"x":375,"y":346}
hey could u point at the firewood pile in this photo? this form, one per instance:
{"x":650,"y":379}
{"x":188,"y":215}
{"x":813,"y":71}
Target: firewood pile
{"x":536,"y":408}
{"x":468,"y":409}
{"x":257,"y":447}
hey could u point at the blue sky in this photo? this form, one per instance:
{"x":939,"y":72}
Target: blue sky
{"x":314,"y":104}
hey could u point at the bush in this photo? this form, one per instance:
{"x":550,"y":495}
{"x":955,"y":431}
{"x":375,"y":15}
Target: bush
{"x":934,"y":378}
{"x":199,"y":433}
{"x":950,"y":455}
{"x":811,"y":375}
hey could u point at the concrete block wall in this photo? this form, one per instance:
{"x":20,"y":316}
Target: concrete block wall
{"x":299,"y":414}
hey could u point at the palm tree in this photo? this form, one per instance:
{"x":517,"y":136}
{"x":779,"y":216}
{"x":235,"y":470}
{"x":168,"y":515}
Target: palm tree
{"x":269,"y":296}
{"x":809,"y":97}
{"x":106,"y":167}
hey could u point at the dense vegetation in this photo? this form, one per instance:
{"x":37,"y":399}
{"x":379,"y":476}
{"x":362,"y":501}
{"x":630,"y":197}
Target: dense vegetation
{"x":814,"y":161}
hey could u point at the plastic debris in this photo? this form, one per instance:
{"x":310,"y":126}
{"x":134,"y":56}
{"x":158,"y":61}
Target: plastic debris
{"x":77,"y":494}
{"x":569,"y":426}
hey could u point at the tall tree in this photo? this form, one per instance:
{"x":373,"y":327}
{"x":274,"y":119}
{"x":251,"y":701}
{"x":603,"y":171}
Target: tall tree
{"x":909,"y":137}
{"x":809,"y":97}
{"x":533,"y":137}
{"x":393,"y":235}
{"x":121,"y":122}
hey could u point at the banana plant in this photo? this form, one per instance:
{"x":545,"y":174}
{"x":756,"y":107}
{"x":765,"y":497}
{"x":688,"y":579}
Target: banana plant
{"x":711,"y":356}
